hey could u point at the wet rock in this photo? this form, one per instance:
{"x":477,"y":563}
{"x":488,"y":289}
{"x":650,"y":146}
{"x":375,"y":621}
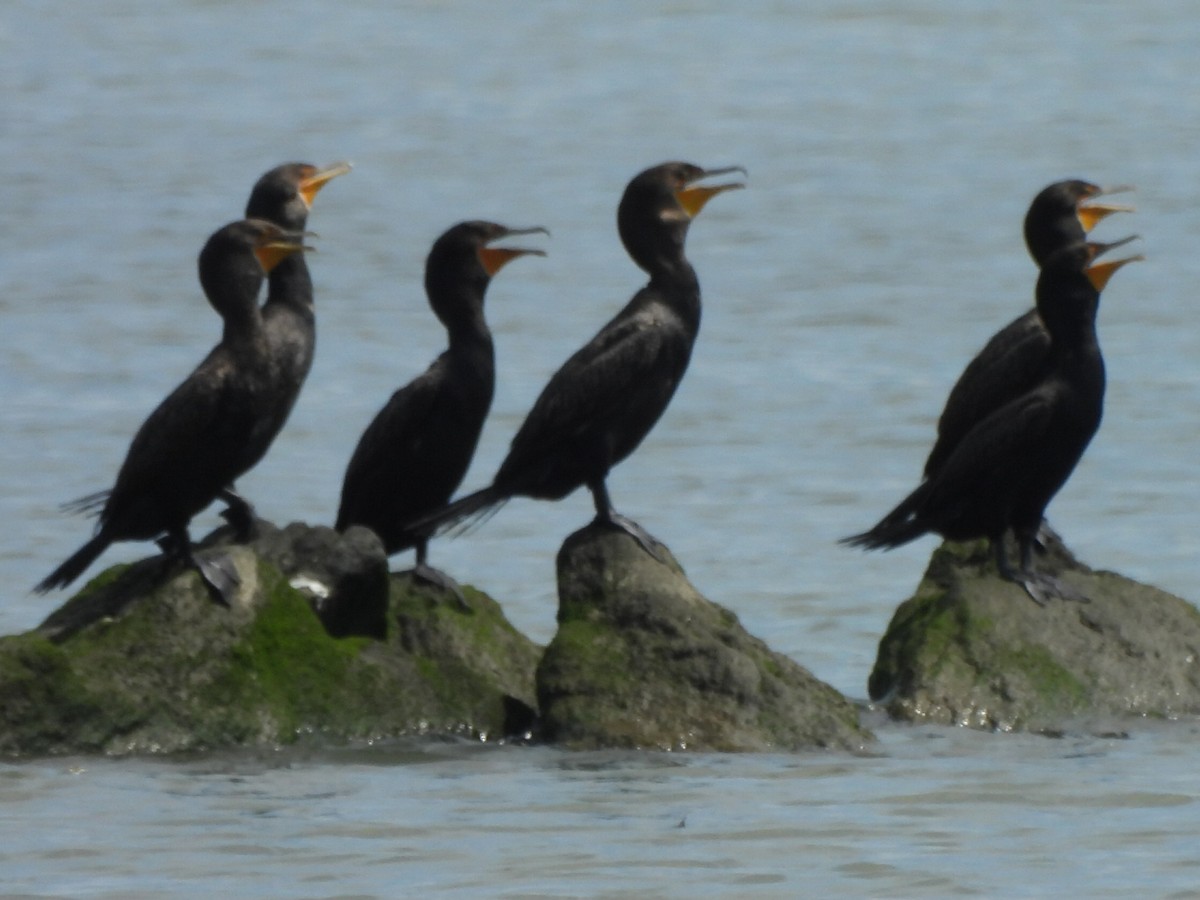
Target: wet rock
{"x":971,"y":649}
{"x":641,"y":659}
{"x":344,"y":576}
{"x":142,"y":660}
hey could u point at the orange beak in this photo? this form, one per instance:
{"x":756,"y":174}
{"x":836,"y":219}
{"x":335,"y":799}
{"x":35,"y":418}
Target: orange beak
{"x":1099,"y":273}
{"x":310,"y":184}
{"x":493,"y":259}
{"x":692,"y":196}
{"x":1090,"y":213}
{"x":276,"y":248}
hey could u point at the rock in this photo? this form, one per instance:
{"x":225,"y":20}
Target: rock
{"x":344,"y":576}
{"x":641,"y":659}
{"x":971,"y":649}
{"x":142,"y":660}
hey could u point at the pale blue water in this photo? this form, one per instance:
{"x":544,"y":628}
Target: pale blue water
{"x":892,"y":150}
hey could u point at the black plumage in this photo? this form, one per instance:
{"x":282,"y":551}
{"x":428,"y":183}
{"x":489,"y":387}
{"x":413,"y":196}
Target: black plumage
{"x":598,"y":407}
{"x":210,"y":429}
{"x":1006,"y":469}
{"x":1013,"y":359}
{"x":414,"y":454}
{"x":284,"y":196}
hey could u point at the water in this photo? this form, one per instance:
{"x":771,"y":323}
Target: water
{"x":892,"y":150}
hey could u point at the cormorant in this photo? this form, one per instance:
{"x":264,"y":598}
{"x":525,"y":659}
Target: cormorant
{"x":415,"y":453}
{"x":1012,"y":361}
{"x":598,"y":407}
{"x":210,"y":429}
{"x":1005,"y":470}
{"x":284,"y":196}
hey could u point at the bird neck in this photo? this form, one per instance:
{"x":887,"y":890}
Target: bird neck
{"x":1043,"y":238}
{"x":655,"y":243}
{"x":469,"y":334}
{"x":1071,"y":322}
{"x":243,"y":325}
{"x":1077,"y":340}
{"x":672,"y":268}
{"x":678,"y":285}
{"x":290,"y":284}
{"x":232,"y":287}
{"x":462,"y":315}
{"x":471,"y":356}
{"x":458,"y":304}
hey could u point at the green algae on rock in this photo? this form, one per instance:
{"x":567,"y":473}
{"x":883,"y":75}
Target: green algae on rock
{"x":641,"y":659}
{"x":473,"y":667}
{"x":972,"y":649}
{"x":344,"y":575}
{"x":142,"y":660}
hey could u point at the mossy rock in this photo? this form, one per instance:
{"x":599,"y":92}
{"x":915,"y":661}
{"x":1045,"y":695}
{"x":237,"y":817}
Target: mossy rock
{"x":641,"y":659}
{"x":473,"y":667}
{"x":970,"y":648}
{"x":142,"y":660}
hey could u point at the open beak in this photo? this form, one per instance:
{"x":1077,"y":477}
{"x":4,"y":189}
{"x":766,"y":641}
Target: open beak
{"x":1090,"y":212}
{"x":692,"y":196}
{"x":273,"y":248}
{"x":310,"y":184}
{"x":1099,"y":273}
{"x":493,"y":259}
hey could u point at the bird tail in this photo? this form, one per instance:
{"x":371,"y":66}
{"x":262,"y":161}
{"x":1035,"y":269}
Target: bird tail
{"x":460,"y":515}
{"x":901,"y":525}
{"x":75,"y":564}
{"x":87,"y":506}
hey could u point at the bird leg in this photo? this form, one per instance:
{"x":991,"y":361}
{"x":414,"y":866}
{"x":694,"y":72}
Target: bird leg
{"x":1045,"y":537}
{"x":239,"y":513}
{"x":1047,"y":585}
{"x":606,"y":515}
{"x":1039,"y":586}
{"x":218,"y":573}
{"x":437,"y":578}
{"x":1006,"y":571}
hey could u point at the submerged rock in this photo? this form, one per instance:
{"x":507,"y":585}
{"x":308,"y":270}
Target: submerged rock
{"x":142,"y":660}
{"x":971,"y":649}
{"x":641,"y":659}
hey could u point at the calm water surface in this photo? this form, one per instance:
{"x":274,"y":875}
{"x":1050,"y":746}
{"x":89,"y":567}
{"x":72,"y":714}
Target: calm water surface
{"x":892,"y":149}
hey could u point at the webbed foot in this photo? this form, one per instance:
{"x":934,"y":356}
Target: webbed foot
{"x":439,"y":579}
{"x":217,"y":571}
{"x":1043,"y":588}
{"x":623,"y":523}
{"x":220,"y":577}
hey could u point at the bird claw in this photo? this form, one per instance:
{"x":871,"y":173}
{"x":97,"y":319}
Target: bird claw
{"x":645,"y":540}
{"x":220,"y":577}
{"x":439,"y":579}
{"x":1042,"y":588}
{"x":217,"y":571}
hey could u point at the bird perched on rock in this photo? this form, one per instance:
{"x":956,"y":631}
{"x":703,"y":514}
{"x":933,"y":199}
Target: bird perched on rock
{"x":284,"y":196}
{"x":413,"y":456}
{"x":598,"y":407}
{"x":211,"y":428}
{"x":1007,"y":467}
{"x":1062,"y":213}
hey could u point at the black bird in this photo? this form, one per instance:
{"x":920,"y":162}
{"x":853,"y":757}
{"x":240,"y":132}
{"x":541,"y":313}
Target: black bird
{"x":1012,"y":361}
{"x":211,"y":428}
{"x":598,"y":407}
{"x":284,"y":196}
{"x":1005,"y":470}
{"x":415,"y":453}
